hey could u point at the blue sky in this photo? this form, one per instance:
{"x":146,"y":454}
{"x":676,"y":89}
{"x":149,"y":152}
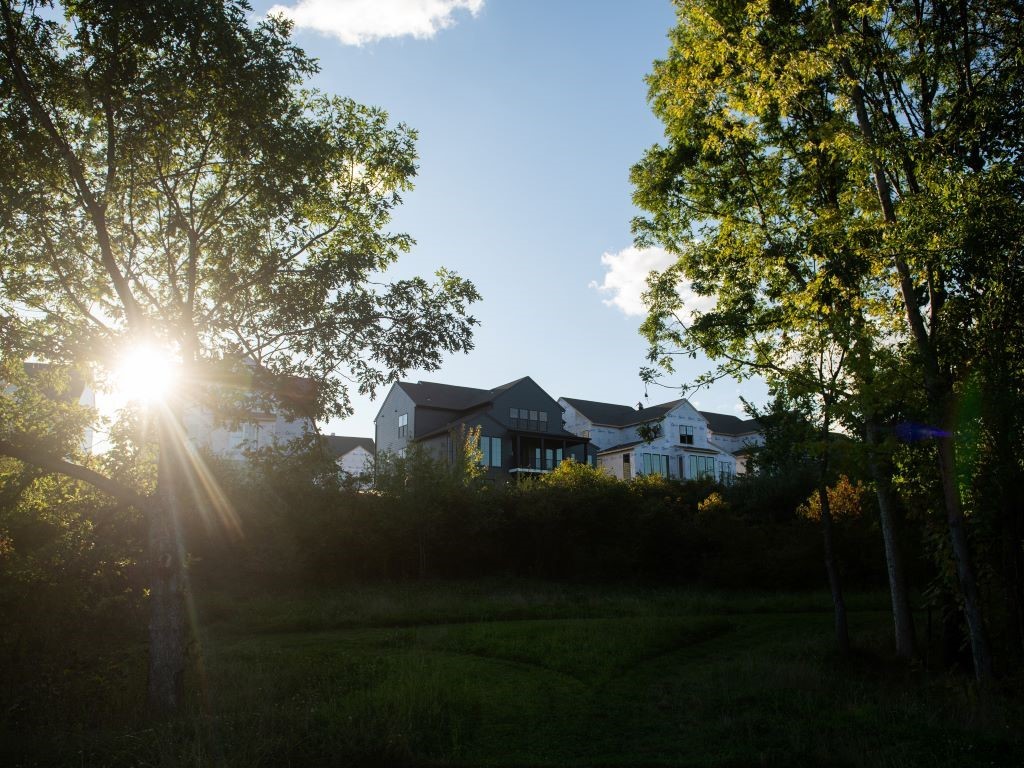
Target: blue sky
{"x":530,"y":114}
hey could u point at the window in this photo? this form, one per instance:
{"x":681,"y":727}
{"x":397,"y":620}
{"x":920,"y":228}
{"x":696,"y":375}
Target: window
{"x":490,"y":448}
{"x":522,"y":418}
{"x":686,"y":435}
{"x":724,"y":472}
{"x":245,"y":437}
{"x":403,"y":425}
{"x":627,"y":472}
{"x":702,"y":466}
{"x":655,"y":464}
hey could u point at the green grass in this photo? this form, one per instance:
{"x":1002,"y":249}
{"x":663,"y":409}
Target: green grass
{"x":534,"y":675}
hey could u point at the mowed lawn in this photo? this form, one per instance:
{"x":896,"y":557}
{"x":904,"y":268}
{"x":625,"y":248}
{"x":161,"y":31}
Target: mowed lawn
{"x":536,"y":674}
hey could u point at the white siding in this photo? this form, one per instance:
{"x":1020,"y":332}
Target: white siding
{"x":356,"y":462}
{"x":231,"y":441}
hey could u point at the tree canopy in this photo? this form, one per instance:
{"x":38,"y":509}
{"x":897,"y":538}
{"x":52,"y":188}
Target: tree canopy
{"x":168,"y":179}
{"x":166,"y":174}
{"x":844,"y":178}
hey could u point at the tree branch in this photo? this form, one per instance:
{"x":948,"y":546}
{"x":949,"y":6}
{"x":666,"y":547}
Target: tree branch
{"x":44,"y":460}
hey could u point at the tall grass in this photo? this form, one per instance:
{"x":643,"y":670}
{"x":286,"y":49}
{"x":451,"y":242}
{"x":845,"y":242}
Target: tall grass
{"x":531,"y":674}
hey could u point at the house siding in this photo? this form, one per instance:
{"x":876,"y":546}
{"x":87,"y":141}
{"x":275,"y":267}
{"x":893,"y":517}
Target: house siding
{"x":358,"y":461}
{"x":668,"y":443}
{"x":386,"y":436}
{"x":444,"y":408}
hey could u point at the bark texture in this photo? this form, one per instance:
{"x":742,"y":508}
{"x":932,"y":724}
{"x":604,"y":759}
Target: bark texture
{"x":167,"y":629}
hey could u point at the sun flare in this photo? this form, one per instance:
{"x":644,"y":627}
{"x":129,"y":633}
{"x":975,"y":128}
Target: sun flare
{"x":145,"y":374}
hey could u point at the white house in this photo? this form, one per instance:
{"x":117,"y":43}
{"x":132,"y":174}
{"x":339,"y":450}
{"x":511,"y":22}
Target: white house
{"x":353,"y":455}
{"x":672,"y":439}
{"x":265,"y":413}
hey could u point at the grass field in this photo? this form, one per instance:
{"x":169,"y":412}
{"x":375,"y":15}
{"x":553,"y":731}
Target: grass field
{"x":532,"y":675}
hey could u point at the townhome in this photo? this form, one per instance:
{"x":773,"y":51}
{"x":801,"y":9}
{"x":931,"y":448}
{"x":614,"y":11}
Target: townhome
{"x":672,"y":439}
{"x":520,"y":425}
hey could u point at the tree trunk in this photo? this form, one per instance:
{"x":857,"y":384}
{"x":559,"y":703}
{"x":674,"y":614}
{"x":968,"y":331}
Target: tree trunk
{"x":828,"y":540}
{"x":980,"y":653}
{"x":167,"y":628}
{"x":832,"y":569}
{"x":939,"y":393}
{"x":902,"y":618}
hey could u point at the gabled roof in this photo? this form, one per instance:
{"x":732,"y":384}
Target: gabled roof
{"x":339,"y":445}
{"x":448,"y":397}
{"x":725,"y":424}
{"x":613,"y":415}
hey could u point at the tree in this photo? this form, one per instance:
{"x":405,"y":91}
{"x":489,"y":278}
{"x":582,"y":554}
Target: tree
{"x":168,"y":180}
{"x":814,"y":151}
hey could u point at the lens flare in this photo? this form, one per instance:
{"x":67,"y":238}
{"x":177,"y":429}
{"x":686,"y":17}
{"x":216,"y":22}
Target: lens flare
{"x":145,"y":374}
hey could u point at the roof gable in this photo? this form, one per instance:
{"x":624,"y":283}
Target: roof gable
{"x":449,"y":397}
{"x":614,"y":415}
{"x":727,"y":424}
{"x":339,"y":445}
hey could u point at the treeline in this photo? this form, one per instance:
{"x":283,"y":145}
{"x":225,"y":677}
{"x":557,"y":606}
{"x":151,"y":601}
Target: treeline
{"x":426,"y":520}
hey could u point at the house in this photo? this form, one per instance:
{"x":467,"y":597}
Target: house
{"x":354,"y":455}
{"x":672,"y":439}
{"x":736,"y":435}
{"x":520,"y":425}
{"x":249,"y":409}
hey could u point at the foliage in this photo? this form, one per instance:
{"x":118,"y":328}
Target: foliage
{"x":168,"y":180}
{"x":71,"y":591}
{"x":844,"y":499}
{"x":842,"y":178}
{"x":170,"y":177}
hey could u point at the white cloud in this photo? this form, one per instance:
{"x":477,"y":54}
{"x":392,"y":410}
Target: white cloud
{"x":355,"y":22}
{"x":625,"y":281}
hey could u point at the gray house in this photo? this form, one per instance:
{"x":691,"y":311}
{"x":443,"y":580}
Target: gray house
{"x":520,"y":424}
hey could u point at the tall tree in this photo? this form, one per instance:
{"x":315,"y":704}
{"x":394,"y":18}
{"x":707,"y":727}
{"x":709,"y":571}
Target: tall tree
{"x":168,"y":179}
{"x":876,"y":134}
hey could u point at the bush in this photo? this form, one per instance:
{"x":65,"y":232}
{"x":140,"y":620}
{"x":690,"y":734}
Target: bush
{"x":426,"y":520}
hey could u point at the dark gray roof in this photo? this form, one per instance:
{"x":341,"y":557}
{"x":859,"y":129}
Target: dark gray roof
{"x":724,"y":424}
{"x":339,"y":445}
{"x":614,"y":415}
{"x":449,"y":397}
{"x":466,"y":418}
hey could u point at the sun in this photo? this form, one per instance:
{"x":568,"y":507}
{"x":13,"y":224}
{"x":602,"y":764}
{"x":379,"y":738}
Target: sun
{"x":145,"y":374}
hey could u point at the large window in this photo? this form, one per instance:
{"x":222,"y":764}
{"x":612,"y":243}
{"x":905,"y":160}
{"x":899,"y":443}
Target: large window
{"x":403,"y":425}
{"x":245,"y":438}
{"x":702,"y":466}
{"x":525,"y":419}
{"x":686,"y":435}
{"x":655,"y":464}
{"x":490,"y":448}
